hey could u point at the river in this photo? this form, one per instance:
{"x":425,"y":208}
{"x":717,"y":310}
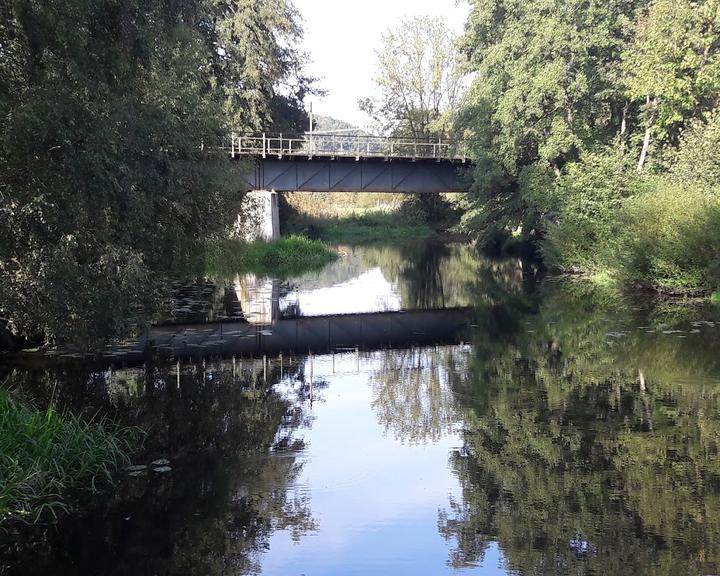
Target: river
{"x":558,"y":429}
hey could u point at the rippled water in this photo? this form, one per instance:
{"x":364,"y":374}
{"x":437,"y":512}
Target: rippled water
{"x":573,"y":432}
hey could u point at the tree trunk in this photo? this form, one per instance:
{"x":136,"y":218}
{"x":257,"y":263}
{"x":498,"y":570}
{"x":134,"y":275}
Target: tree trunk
{"x":556,"y":168}
{"x":647,"y":412}
{"x":623,"y":127}
{"x":652,"y":106}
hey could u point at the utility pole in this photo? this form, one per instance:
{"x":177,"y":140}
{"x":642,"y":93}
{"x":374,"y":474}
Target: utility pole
{"x":311,"y":119}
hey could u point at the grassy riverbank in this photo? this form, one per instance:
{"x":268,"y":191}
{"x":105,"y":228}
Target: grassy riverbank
{"x":363,"y":218}
{"x":366,"y":228}
{"x":49,"y":459}
{"x":291,"y":256}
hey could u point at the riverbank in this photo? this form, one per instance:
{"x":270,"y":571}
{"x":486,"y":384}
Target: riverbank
{"x":364,"y":229}
{"x":363,"y":218}
{"x":288,"y":256}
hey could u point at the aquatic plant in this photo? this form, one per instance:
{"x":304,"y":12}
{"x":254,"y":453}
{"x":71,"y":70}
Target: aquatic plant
{"x":49,"y":458}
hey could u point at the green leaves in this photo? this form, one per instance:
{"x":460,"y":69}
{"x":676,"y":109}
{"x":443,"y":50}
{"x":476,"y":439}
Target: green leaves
{"x":674,"y":60}
{"x":112,"y":113}
{"x":46,"y":456}
{"x":419,"y":79}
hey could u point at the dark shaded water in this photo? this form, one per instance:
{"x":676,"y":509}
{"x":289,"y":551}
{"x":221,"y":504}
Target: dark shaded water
{"x":573,"y":433}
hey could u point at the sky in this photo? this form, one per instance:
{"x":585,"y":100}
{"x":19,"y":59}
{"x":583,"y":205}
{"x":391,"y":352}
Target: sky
{"x":342,"y":37}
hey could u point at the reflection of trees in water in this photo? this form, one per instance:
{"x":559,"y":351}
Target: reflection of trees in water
{"x":582,"y":453}
{"x":412,"y":391}
{"x":232,"y":446}
{"x":422,"y":277}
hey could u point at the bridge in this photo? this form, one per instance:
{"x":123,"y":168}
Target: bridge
{"x":343,"y":162}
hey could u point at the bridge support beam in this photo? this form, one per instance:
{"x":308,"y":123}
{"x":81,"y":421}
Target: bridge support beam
{"x":259,"y":217}
{"x":297,"y":174}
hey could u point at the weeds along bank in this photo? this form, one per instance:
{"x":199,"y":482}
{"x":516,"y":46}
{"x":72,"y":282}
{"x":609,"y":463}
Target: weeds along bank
{"x":51,"y":461}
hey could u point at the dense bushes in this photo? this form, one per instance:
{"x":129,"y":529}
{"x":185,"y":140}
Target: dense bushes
{"x":580,"y":210}
{"x":595,"y":137}
{"x":670,"y":237}
{"x":660,"y":230}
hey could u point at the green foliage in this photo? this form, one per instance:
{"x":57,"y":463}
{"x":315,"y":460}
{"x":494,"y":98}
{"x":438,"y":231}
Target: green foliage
{"x":48,"y":457}
{"x":697,"y":157}
{"x":284,"y":258}
{"x":673,"y":63}
{"x":715,"y":297}
{"x":371,"y":227}
{"x":671,"y":237}
{"x":580,"y":210}
{"x":564,"y":96}
{"x":111,"y":113}
{"x":547,"y":76}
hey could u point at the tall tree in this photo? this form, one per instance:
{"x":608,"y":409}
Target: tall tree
{"x":111,"y":113}
{"x":419,"y":78}
{"x":547,"y":87}
{"x":673,"y":66}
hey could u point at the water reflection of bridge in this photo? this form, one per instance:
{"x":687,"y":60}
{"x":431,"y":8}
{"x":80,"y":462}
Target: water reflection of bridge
{"x":316,"y":334}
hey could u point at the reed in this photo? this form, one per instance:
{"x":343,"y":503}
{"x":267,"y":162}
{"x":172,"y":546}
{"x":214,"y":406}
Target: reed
{"x":49,"y":459}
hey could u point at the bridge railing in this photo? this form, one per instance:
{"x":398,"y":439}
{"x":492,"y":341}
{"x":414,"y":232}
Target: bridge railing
{"x":346,"y":145}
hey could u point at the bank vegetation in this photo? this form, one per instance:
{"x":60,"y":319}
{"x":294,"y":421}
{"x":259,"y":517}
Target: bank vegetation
{"x":596,"y":130}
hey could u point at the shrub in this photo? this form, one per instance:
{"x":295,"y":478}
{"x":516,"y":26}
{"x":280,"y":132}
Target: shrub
{"x":670,"y":237}
{"x":580,"y":210}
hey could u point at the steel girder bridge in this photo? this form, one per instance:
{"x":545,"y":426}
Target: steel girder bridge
{"x":343,"y":162}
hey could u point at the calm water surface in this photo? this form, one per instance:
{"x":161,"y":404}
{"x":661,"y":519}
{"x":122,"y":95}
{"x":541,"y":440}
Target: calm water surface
{"x":571,"y":432}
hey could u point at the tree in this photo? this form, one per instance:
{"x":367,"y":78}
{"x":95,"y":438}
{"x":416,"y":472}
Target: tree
{"x":419,"y":79}
{"x":546,"y":89}
{"x":111,"y":116}
{"x":673,"y":66}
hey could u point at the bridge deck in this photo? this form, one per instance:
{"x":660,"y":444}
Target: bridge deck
{"x":328,"y":145}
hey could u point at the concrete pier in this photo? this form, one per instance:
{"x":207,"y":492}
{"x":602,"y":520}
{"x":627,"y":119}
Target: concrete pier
{"x":260,"y":218}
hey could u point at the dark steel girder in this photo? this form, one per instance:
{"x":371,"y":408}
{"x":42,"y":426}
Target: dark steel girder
{"x":295,"y":174}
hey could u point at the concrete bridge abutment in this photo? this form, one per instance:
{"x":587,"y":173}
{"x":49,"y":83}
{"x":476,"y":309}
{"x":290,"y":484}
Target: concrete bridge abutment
{"x":259,"y":217}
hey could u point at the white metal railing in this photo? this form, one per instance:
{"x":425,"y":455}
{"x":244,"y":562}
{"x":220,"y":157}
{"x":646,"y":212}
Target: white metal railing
{"x":346,"y":145}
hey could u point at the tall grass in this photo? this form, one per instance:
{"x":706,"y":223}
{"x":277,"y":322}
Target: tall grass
{"x":48,"y":459}
{"x":670,"y":237}
{"x":284,"y":258}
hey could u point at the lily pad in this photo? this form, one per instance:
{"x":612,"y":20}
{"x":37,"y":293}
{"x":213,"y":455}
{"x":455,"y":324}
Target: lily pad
{"x":161,"y":462}
{"x":162,"y":469}
{"x":137,"y":468}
